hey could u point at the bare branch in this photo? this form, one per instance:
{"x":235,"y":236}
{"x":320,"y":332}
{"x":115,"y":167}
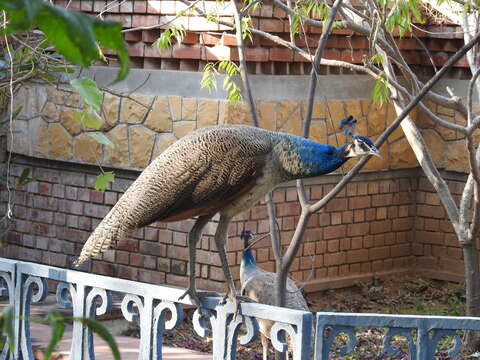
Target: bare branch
{"x":406,"y":110}
{"x":243,"y":62}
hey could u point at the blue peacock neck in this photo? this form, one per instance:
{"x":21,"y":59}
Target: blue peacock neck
{"x":307,"y":158}
{"x":248,"y":259}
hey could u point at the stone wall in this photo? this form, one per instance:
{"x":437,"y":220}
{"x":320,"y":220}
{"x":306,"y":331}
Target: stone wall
{"x":142,"y":126}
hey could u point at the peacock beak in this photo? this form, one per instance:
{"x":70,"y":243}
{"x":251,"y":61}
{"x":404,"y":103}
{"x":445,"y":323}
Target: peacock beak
{"x":374,"y":151}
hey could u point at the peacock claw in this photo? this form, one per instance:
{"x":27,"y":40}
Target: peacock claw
{"x":235,"y":299}
{"x":196,"y":295}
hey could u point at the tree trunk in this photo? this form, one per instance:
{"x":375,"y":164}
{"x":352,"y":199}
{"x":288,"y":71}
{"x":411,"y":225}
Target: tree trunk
{"x":472,"y":287}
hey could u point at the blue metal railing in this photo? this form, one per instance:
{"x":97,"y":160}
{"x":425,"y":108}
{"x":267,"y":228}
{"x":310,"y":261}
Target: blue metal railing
{"x":90,"y":295}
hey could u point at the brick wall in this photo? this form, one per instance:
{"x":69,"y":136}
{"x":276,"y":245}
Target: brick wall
{"x":210,"y":41}
{"x":382,"y":223}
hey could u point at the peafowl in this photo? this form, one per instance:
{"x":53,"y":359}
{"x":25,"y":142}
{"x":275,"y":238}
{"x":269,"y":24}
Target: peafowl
{"x":222,"y":169}
{"x":259,"y":286}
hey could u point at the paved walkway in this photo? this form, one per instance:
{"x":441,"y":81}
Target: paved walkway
{"x":128,"y":346}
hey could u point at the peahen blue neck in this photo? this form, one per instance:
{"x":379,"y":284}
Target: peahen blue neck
{"x":247,"y":260}
{"x":308,"y":158}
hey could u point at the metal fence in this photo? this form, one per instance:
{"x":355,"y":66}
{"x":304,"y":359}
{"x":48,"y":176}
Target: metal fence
{"x":157,"y":308}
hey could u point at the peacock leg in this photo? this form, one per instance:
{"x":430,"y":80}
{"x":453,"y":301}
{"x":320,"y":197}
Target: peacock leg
{"x":264,"y":346}
{"x":193,"y":238}
{"x":220,"y":241}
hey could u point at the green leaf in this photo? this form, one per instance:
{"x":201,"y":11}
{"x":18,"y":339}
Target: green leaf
{"x":102,"y":331}
{"x":89,"y":118}
{"x":64,"y":69}
{"x":208,"y":78}
{"x":103,"y":179}
{"x":75,"y":35}
{"x":88,"y":91}
{"x":101,"y":138}
{"x":57,"y":324}
{"x":24,"y":179}
{"x":8,"y":317}
{"x":380,"y":90}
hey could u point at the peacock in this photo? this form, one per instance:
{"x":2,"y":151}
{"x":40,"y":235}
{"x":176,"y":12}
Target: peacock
{"x":221,"y":169}
{"x":259,"y":286}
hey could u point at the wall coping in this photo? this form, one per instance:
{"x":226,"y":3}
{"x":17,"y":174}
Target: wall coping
{"x":127,"y":173}
{"x":265,"y":87}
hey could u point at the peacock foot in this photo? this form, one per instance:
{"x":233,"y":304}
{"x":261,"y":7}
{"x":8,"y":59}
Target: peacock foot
{"x":196,"y":295}
{"x":235,"y":299}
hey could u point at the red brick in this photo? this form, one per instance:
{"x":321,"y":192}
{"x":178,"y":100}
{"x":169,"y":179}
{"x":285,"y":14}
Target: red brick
{"x":378,"y":227}
{"x":360,"y":202}
{"x":127,"y":272}
{"x":187,"y":51}
{"x":333,"y":245}
{"x":355,"y":256}
{"x":271,"y":25}
{"x":256,"y":54}
{"x":335,"y":258}
{"x":136,"y":49}
{"x":122,"y":257}
{"x":334,"y":232}
{"x":128,"y":245}
{"x":379,"y":253}
{"x":382,"y":200}
{"x":103,"y":268}
{"x":281,"y":54}
{"x":145,"y":20}
{"x":139,"y":6}
{"x":401,"y":250}
{"x":217,"y":52}
{"x":152,"y":277}
{"x":358,"y":229}
{"x":337,"y":205}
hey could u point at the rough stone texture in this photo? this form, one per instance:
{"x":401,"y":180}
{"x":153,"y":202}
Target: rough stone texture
{"x":176,"y":107}
{"x":68,"y":121}
{"x":318,"y":131}
{"x":189,"y":109}
{"x":141,"y":145}
{"x":118,"y":155}
{"x":50,"y":112}
{"x":236,"y":114}
{"x":172,"y":117}
{"x":401,"y":155}
{"x":267,"y":115}
{"x":159,"y":118}
{"x":38,"y":131}
{"x":456,"y":158}
{"x":435,"y":145}
{"x":110,"y":107}
{"x":162,"y":142}
{"x":19,"y":143}
{"x":87,"y":148}
{"x":134,"y":108}
{"x":60,"y":142}
{"x":207,"y":113}
{"x":182,"y":128}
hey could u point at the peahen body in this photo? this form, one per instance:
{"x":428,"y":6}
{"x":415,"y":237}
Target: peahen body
{"x":259,"y":286}
{"x":222,"y":169}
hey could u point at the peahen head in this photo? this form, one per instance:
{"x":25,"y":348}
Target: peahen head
{"x":360,"y":146}
{"x":246,"y":236}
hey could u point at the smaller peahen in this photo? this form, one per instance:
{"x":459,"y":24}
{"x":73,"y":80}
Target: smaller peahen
{"x":259,"y":286}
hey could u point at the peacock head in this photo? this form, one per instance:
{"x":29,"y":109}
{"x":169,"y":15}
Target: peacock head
{"x":361,"y":146}
{"x":246,"y":236}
